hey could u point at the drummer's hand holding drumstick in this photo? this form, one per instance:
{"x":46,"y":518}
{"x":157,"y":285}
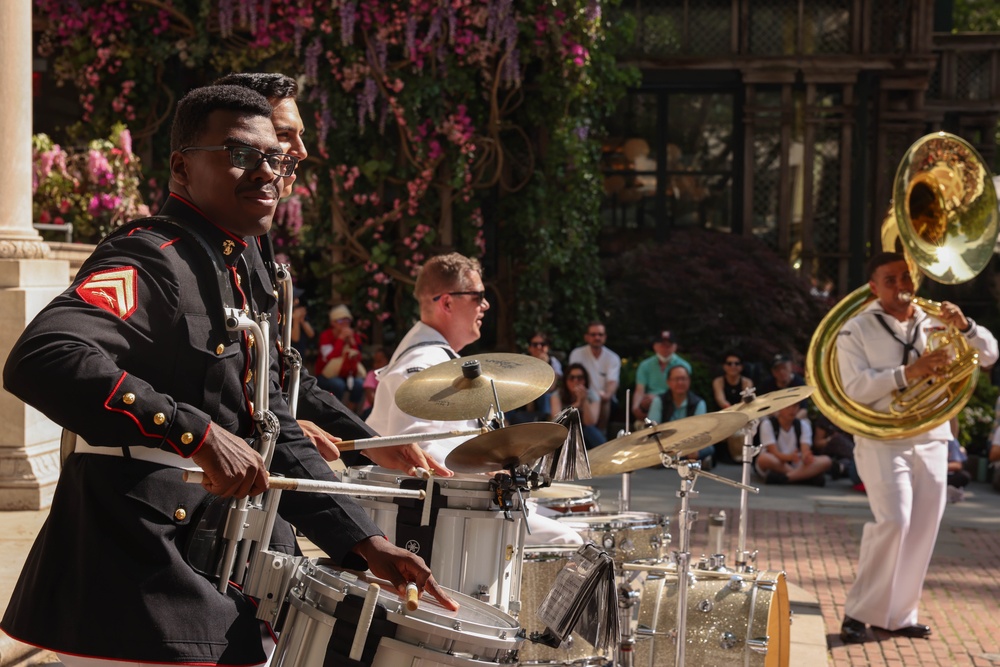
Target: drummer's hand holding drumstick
{"x":400,"y":567}
{"x":232,"y":468}
{"x":407,"y":457}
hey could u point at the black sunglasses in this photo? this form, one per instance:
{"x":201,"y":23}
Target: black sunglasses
{"x":480,"y":296}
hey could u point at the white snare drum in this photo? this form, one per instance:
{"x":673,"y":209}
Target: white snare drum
{"x":732,"y":619}
{"x":564,"y":498}
{"x":538,"y":572}
{"x":323,"y":608}
{"x":473,"y":549}
{"x":626,"y":536}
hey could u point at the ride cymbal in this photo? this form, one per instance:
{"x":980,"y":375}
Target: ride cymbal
{"x":463,"y":388}
{"x":771,"y":402}
{"x":504,"y":447}
{"x":677,"y":438}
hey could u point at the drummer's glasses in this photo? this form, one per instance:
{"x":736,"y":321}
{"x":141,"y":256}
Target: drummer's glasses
{"x":248,"y":158}
{"x":480,"y":295}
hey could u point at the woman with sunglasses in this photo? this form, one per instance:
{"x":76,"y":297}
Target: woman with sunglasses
{"x":728,"y":387}
{"x":574,"y":390}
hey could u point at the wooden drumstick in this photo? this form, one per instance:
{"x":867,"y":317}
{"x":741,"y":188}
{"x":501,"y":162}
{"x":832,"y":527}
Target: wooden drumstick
{"x":411,"y":596}
{"x":405,"y":439}
{"x":322,"y":486}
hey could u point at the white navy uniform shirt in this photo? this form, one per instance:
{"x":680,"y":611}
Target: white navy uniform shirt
{"x":871,"y":361}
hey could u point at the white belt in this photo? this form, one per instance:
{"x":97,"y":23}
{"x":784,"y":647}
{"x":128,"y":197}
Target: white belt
{"x":142,"y":453}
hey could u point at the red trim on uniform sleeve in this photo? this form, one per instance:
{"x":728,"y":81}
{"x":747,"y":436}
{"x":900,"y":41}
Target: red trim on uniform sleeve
{"x":170,"y":243}
{"x":108,"y":407}
{"x":204,"y":437}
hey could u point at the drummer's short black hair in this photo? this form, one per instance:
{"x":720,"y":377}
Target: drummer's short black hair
{"x":272,"y":85}
{"x":881,"y":259}
{"x":194,"y":108}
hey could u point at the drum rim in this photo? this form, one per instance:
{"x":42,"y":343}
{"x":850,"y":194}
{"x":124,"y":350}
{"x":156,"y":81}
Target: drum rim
{"x":314,"y":575}
{"x":643,"y":520}
{"x":384,"y":477}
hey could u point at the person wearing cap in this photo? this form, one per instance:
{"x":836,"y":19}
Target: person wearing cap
{"x":651,"y":376}
{"x":338,"y":366}
{"x":782,"y":376}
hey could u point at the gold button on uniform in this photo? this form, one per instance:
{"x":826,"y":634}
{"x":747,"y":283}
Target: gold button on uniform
{"x":239,"y":279}
{"x":220,"y":349}
{"x":128,"y":399}
{"x":180,"y":513}
{"x":187,"y":438}
{"x":250,"y":340}
{"x":249,"y":376}
{"x":159,"y":418}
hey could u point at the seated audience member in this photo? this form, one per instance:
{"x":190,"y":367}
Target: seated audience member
{"x":575,"y":391}
{"x":680,"y":402}
{"x":782,"y":377}
{"x":651,"y":375}
{"x":379,"y":359}
{"x":727,"y":390}
{"x":538,"y":347}
{"x":829,"y":440}
{"x":958,"y":476}
{"x":603,"y":367}
{"x":786,"y":455}
{"x":338,"y":366}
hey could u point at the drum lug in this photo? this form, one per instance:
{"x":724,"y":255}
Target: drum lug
{"x":736,"y":582}
{"x":608,"y":541}
{"x":705,"y":606}
{"x":728,"y":641}
{"x":758,"y":645}
{"x":627,"y":546}
{"x":482,"y":593}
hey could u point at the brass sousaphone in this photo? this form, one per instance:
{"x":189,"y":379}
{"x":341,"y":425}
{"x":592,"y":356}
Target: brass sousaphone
{"x":944,"y":214}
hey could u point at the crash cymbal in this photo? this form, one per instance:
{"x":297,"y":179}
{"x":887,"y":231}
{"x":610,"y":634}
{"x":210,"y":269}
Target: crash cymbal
{"x":772,"y":401}
{"x":461,"y":388}
{"x":678,"y":438}
{"x":511,"y":445}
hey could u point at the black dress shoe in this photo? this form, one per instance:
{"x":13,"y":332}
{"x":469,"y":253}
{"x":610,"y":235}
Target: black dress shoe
{"x":853,"y":631}
{"x":915,"y":631}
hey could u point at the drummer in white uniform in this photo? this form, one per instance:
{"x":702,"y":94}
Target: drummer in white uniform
{"x":882,"y":349}
{"x":452,"y":305}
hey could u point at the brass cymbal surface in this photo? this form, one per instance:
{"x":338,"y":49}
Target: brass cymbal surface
{"x":641,"y":449}
{"x":462,"y":388}
{"x":771,"y":402}
{"x":503,"y":447}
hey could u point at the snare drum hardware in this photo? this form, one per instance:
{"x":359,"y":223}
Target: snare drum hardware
{"x":322,"y":626}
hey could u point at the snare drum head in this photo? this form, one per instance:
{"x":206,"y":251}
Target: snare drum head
{"x":475,"y":617}
{"x":563,"y":491}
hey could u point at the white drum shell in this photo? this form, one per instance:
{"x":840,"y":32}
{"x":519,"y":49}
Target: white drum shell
{"x":476,"y":634}
{"x":476,"y":550}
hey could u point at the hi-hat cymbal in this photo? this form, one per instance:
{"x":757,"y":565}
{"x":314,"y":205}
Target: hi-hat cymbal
{"x":677,"y":438}
{"x":772,"y":401}
{"x":457,"y":389}
{"x":503,"y":447}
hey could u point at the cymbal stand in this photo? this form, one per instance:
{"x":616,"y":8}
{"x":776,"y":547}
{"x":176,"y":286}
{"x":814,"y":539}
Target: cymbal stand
{"x":625,"y":499}
{"x":745,"y":561}
{"x":689,"y":472}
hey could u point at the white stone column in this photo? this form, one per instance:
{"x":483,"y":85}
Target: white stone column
{"x":29,"y":443}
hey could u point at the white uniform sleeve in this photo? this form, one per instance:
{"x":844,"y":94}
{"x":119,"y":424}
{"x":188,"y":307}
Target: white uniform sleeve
{"x":984,"y":341}
{"x":861,"y":381}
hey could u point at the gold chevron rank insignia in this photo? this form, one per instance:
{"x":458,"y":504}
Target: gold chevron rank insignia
{"x":113,"y":290}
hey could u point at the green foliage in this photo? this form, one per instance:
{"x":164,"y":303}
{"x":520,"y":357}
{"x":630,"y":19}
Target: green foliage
{"x":976,"y":420}
{"x":717,"y":291}
{"x":976,"y":16}
{"x":431,"y":116}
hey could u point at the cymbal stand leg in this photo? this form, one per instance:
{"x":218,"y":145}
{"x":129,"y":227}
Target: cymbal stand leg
{"x":687,"y":471}
{"x":744,"y":561}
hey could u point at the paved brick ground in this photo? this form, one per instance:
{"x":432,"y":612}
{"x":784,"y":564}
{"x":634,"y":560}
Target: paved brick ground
{"x":819,"y":551}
